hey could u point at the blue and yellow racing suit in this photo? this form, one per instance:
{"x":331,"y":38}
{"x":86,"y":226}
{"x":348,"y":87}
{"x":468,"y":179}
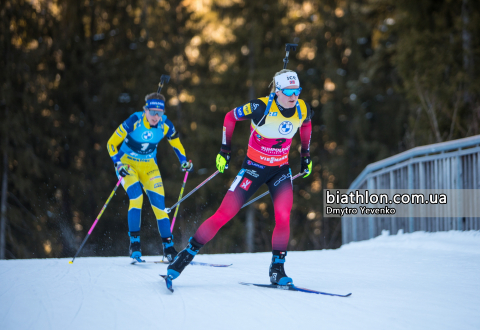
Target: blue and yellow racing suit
{"x":135,"y":143}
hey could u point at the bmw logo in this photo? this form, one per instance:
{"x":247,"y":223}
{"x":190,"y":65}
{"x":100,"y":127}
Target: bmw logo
{"x":285,"y":127}
{"x":147,"y":135}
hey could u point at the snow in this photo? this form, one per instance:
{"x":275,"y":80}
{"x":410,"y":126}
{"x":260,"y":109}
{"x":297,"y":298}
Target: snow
{"x":406,"y":281}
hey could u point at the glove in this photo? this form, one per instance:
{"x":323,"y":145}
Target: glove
{"x":187,"y":166}
{"x":122,"y":169}
{"x":306,"y":165}
{"x":223,"y":158}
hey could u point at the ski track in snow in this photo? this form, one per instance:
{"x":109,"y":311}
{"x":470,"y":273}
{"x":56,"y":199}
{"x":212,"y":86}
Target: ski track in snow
{"x":406,"y":281}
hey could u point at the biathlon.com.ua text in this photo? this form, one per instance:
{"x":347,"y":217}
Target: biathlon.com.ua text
{"x":366,"y":197}
{"x":423,"y":203}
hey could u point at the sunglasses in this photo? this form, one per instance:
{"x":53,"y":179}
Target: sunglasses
{"x":290,"y":92}
{"x":156,"y":112}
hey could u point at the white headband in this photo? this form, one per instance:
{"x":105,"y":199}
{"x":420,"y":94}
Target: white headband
{"x":286,"y":79}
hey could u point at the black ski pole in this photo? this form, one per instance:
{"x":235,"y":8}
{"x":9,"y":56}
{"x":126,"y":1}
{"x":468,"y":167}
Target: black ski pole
{"x":288,"y":47}
{"x":164,"y":79}
{"x":169,"y":209}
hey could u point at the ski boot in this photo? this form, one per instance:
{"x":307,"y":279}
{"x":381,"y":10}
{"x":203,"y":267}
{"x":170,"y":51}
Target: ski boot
{"x":169,"y":251}
{"x":277,"y":272}
{"x":135,"y":248}
{"x":183,"y":259}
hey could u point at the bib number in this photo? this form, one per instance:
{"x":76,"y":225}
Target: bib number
{"x":279,"y":144}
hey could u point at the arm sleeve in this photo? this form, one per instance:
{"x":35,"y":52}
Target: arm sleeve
{"x":118,"y":136}
{"x":228,"y":128}
{"x":305,"y":136}
{"x":174,"y":140}
{"x":114,"y":143}
{"x":252,"y":110}
{"x":306,"y":132}
{"x":310,"y":112}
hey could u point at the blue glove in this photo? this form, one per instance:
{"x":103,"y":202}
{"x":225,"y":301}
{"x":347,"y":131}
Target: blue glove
{"x":122,"y":169}
{"x":187,"y":166}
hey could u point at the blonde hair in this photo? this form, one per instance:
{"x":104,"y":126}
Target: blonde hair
{"x":272,"y":90}
{"x":152,"y":96}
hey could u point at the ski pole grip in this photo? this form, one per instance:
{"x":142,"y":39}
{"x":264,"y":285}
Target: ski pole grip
{"x":289,"y":47}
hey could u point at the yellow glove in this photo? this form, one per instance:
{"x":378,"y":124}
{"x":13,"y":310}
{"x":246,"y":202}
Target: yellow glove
{"x":306,"y":166}
{"x":223,"y":158}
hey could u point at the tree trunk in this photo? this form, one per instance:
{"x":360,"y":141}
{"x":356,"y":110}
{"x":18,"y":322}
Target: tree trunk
{"x":251,"y":68}
{"x":466,"y":40}
{"x":467,"y":50}
{"x":430,"y":106}
{"x":250,"y":226}
{"x":250,"y":223}
{"x":3,"y":220}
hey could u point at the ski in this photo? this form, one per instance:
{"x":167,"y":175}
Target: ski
{"x":292,"y":287}
{"x":168,"y":282}
{"x":195,"y":263}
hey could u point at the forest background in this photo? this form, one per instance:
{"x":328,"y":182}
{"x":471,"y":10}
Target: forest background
{"x":382,"y":76}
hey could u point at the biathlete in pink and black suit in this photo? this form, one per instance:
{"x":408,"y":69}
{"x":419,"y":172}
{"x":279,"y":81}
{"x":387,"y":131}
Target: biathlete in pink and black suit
{"x":274,"y":122}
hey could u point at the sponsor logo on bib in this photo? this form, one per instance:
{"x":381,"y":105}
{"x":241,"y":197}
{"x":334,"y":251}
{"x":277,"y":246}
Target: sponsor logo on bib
{"x":285,"y":127}
{"x":147,"y":135}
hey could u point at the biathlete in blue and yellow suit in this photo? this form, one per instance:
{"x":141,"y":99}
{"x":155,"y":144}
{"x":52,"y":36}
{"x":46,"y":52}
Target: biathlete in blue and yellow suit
{"x":133,"y":149}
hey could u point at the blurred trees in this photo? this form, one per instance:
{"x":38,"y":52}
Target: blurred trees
{"x":437,"y":59}
{"x":381,"y":76}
